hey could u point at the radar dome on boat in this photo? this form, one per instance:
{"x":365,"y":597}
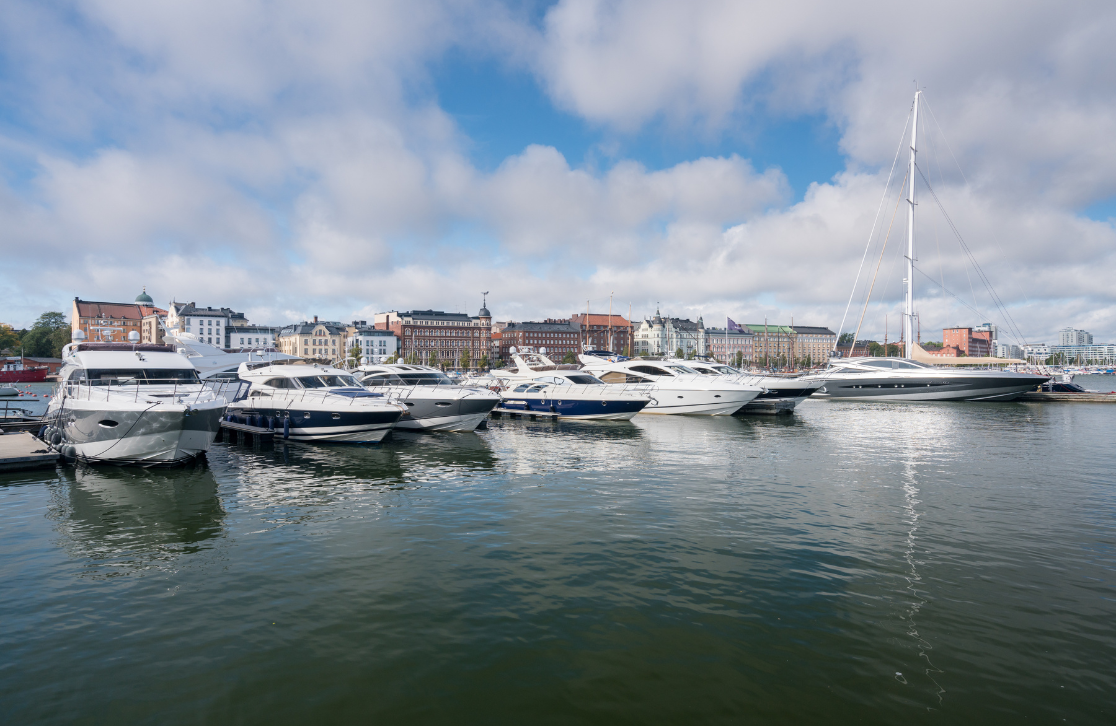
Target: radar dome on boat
{"x":143,"y":298}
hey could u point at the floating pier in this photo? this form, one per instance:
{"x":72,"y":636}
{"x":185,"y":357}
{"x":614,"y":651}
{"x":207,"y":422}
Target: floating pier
{"x":23,"y":451}
{"x":239,"y":433}
{"x":519,"y":412}
{"x":1090,"y":397}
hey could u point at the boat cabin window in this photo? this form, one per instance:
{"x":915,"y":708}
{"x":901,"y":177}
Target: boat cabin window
{"x":584,"y":379}
{"x":651,"y":370}
{"x":706,"y":371}
{"x":280,"y":383}
{"x":382,"y":379}
{"x":521,"y":387}
{"x":680,"y":368}
{"x":326,"y":381}
{"x":426,"y":378}
{"x":623,"y":377}
{"x":903,"y":364}
{"x":727,"y":370}
{"x":136,"y":376}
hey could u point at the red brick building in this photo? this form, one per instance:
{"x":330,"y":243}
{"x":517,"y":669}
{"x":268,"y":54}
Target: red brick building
{"x":973,"y":344}
{"x":557,"y":336}
{"x":446,"y":335}
{"x":604,"y":332}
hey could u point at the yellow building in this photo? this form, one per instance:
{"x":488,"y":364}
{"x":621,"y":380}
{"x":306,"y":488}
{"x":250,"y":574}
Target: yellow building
{"x":316,"y":340}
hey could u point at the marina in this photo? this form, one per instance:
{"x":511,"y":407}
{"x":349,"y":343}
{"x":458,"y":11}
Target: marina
{"x":854,"y":561}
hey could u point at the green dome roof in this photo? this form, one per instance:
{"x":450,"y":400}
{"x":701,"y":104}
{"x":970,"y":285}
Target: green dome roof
{"x":144,"y":298}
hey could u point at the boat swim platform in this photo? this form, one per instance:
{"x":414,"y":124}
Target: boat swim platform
{"x":1044,"y":397}
{"x":19,"y":451}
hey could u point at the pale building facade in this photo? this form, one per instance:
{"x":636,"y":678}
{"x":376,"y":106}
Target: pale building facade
{"x":313,"y":339}
{"x":376,"y":346}
{"x":665,"y":336}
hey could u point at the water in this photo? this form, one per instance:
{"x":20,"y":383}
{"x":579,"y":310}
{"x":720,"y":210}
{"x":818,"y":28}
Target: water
{"x":854,"y":563}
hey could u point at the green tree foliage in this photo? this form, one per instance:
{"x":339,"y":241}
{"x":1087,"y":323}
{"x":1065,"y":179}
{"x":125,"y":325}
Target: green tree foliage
{"x":845,"y":339}
{"x":569,"y":358}
{"x":466,"y":359}
{"x":483,"y":362}
{"x":432,"y":360}
{"x":392,"y":358}
{"x":9,"y":338}
{"x":47,"y":336}
{"x":739,"y":359}
{"x":692,"y":354}
{"x":679,"y":353}
{"x":354,"y":354}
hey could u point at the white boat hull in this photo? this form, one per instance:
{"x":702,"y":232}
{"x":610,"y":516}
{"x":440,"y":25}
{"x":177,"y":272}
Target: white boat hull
{"x":697,"y":403}
{"x":468,"y":422}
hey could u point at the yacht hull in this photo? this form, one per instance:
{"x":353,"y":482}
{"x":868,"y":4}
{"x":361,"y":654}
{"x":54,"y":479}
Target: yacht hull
{"x":140,"y":436}
{"x":668,"y":401}
{"x":961,"y":388}
{"x":780,"y":397}
{"x":446,"y":414}
{"x":353,"y":427}
{"x":579,"y":409}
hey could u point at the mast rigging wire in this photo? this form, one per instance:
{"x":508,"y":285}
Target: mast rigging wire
{"x":877,"y":272}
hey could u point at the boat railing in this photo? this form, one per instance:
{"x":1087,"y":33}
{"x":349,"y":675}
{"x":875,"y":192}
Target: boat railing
{"x":174,"y":392}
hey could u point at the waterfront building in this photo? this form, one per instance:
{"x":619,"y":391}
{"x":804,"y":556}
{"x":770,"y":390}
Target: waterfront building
{"x":1007,"y":350}
{"x":250,"y":336}
{"x":111,"y":321}
{"x":1071,"y":337}
{"x":773,"y":344}
{"x":604,"y":332}
{"x":812,"y":344}
{"x":862,"y":349}
{"x":1036,"y":351}
{"x":973,"y":343}
{"x":559,"y":337}
{"x":376,"y":345}
{"x":445,"y":335}
{"x":1099,"y":353}
{"x":665,"y":336}
{"x":320,"y":340}
{"x":729,"y":345}
{"x":208,"y":325}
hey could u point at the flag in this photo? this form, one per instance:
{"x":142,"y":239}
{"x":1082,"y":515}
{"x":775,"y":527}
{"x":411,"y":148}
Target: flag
{"x":733,"y":327}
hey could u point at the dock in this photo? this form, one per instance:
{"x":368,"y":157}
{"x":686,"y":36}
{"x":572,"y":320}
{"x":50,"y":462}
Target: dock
{"x":239,"y":433}
{"x":20,"y":451}
{"x":517,"y":413}
{"x":1091,"y":397}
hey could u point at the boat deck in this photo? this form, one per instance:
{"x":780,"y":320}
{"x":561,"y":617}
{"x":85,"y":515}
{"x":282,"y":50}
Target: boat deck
{"x":23,"y":451}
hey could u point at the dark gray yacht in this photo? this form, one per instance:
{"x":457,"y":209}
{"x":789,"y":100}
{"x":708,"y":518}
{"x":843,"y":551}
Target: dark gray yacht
{"x":903,"y":379}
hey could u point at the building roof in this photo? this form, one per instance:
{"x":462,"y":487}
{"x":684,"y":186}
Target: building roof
{"x":143,"y":298}
{"x":436,"y":315}
{"x":769,"y":328}
{"x":720,"y":333}
{"x":192,"y":309}
{"x":617,"y":321}
{"x":808,"y":330}
{"x":541,"y":327}
{"x":307,"y":327}
{"x":366,"y":330}
{"x":119,"y":311}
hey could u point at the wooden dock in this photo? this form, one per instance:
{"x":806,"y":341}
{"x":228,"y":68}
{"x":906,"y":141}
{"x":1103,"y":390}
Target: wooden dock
{"x":1091,"y":397}
{"x":24,"y":451}
{"x":235,"y":433}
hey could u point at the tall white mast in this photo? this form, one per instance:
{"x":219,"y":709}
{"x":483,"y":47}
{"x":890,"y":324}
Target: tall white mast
{"x":908,"y":311}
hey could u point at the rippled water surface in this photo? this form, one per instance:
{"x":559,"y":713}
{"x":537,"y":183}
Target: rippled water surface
{"x":852,"y":563}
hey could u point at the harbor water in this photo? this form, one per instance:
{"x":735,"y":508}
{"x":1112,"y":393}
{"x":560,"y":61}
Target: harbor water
{"x":852,"y":563}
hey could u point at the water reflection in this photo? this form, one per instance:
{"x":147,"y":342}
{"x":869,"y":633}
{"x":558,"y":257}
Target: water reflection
{"x":124,"y":520}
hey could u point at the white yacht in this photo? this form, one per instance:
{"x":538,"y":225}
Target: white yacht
{"x":433,"y":401}
{"x":918,"y":376}
{"x":675,"y":388}
{"x":535,"y":384}
{"x":780,"y":393}
{"x":127,"y":403}
{"x":215,"y":363}
{"x":314,"y":403}
{"x":902,"y":379}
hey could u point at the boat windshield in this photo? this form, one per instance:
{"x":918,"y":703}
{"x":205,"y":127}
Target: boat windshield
{"x":426,"y":378}
{"x":585,"y":379}
{"x":681,"y":369}
{"x":326,"y":381}
{"x":727,"y":370}
{"x":892,"y":363}
{"x":135,"y":376}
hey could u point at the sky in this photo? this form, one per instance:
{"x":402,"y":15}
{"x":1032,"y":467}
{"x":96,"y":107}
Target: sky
{"x":716,"y":159}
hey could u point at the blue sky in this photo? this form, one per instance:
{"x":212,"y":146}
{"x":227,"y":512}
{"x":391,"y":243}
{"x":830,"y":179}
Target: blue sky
{"x":719,"y":158}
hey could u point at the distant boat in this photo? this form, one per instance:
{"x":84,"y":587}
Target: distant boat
{"x":20,"y":373}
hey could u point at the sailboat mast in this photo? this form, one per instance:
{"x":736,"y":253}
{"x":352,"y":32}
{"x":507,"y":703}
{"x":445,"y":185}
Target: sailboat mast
{"x":908,"y":311}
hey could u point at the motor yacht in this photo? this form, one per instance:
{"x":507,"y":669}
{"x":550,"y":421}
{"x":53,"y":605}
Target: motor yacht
{"x":314,"y":403}
{"x":780,"y":393}
{"x":902,"y":379}
{"x":434,"y":402}
{"x":130,"y":403}
{"x":675,"y":388}
{"x":215,"y":363}
{"x":535,"y":384}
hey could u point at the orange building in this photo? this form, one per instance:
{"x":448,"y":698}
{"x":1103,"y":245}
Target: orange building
{"x":604,"y":332}
{"x":112,"y":321}
{"x":973,"y":344}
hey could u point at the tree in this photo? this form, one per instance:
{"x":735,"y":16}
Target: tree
{"x":569,"y":358}
{"x":679,"y":354}
{"x":432,"y":360}
{"x":466,"y":359}
{"x":739,"y":359}
{"x":483,"y":362}
{"x":9,"y":338}
{"x":354,"y":354}
{"x":692,"y":354}
{"x":845,"y":339}
{"x":47,"y":336}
